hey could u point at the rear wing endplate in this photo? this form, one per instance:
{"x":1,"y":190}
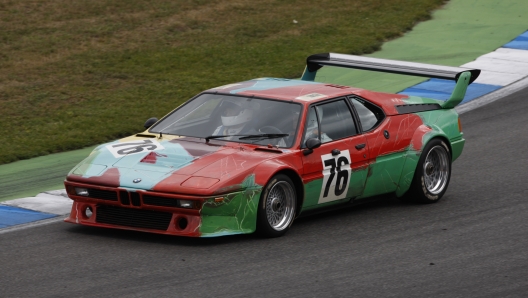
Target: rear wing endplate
{"x":462,"y":76}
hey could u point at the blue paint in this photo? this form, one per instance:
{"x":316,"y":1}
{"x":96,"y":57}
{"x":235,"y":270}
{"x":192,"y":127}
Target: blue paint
{"x":442,"y":89}
{"x":10,"y":216}
{"x":272,"y":83}
{"x":172,"y":158}
{"x":519,"y":43}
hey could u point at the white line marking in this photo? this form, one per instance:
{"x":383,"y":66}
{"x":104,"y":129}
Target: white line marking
{"x":32,"y":224}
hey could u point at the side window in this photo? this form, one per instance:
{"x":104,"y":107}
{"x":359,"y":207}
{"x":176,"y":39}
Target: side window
{"x":369,"y":115}
{"x":312,"y":125}
{"x":334,"y":120}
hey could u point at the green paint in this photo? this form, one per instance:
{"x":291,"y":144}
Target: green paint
{"x":458,"y":33}
{"x":456,"y":148}
{"x":312,"y":190}
{"x":460,"y":91}
{"x":27,"y":178}
{"x":420,"y":100}
{"x":357,"y":183}
{"x":444,"y":124}
{"x":384,"y":174}
{"x":308,"y":75}
{"x":394,"y":172}
{"x":407,"y":173}
{"x":236,"y":214}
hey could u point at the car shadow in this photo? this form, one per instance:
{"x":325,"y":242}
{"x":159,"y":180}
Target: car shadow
{"x":326,"y":216}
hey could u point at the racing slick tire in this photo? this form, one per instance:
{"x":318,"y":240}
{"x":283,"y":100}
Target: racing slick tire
{"x":276,"y":207}
{"x":432,"y":174}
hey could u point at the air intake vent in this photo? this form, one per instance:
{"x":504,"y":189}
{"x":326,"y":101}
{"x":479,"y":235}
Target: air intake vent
{"x":145,"y":219}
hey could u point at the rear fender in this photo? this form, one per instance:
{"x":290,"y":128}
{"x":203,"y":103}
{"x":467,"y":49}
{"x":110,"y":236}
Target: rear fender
{"x":413,"y":155}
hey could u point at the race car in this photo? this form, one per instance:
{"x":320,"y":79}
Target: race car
{"x":255,"y":155}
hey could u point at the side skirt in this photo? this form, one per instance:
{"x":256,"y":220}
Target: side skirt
{"x":351,"y":203}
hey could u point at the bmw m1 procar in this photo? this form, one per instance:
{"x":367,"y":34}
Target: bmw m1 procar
{"x":253,"y":156}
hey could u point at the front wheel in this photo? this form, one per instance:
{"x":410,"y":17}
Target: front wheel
{"x":276,"y":207}
{"x":432,"y":174}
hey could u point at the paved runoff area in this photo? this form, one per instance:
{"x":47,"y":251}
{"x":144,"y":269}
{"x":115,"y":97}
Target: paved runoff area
{"x":504,"y":71}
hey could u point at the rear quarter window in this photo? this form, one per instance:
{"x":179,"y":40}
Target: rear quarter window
{"x":369,"y":114}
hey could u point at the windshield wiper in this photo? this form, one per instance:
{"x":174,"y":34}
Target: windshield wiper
{"x":222,"y":136}
{"x":265,"y":136}
{"x":244,"y":137}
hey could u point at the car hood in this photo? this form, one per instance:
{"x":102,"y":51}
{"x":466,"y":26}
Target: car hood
{"x":181,"y":165}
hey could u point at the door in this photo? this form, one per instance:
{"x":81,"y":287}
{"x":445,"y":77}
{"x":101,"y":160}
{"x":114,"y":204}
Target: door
{"x":337,"y":170}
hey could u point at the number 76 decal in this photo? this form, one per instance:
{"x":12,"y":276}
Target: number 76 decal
{"x":336,"y":176}
{"x":129,"y":148}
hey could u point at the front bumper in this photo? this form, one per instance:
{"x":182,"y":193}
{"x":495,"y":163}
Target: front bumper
{"x":153,"y":212}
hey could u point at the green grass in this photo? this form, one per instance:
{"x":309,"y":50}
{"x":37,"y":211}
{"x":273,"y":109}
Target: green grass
{"x":76,"y":73}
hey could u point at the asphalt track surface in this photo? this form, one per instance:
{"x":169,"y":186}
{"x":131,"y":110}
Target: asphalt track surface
{"x":473,"y":243}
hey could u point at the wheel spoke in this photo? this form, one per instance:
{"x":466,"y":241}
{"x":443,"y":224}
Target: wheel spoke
{"x":436,"y":167}
{"x":279,"y":205}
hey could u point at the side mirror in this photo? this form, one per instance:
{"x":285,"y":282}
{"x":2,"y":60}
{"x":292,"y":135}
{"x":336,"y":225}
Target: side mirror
{"x":150,"y":122}
{"x":311,"y":144}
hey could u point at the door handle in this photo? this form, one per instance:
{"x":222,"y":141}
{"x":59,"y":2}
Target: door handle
{"x":335,"y":152}
{"x":360,"y":146}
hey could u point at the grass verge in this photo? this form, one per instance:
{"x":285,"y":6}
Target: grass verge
{"x":76,"y":73}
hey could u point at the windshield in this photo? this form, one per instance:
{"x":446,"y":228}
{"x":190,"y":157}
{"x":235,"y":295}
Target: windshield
{"x":234,"y":118}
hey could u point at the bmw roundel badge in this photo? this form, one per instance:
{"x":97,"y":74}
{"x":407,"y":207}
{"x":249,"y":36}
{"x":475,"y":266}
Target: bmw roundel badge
{"x":136,"y":180}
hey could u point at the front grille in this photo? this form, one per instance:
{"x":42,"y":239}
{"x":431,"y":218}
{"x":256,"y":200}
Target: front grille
{"x":123,"y":195}
{"x":102,"y":194}
{"x":160,"y":201}
{"x":145,"y":219}
{"x":134,"y":197}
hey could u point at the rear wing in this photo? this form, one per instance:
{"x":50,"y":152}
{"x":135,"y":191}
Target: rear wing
{"x":462,"y":76}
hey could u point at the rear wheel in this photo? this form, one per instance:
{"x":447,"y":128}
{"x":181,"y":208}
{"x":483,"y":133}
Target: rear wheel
{"x":432,"y":174}
{"x":276,"y":207}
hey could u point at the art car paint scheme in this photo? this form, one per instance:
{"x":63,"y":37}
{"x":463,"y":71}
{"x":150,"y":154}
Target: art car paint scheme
{"x":253,"y":156}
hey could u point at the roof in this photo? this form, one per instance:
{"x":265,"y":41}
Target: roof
{"x":307,"y":92}
{"x":287,"y":89}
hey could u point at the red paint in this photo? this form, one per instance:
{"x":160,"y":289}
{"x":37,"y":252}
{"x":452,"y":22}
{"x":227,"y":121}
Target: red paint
{"x":292,"y":92}
{"x":109,"y":178}
{"x":191,"y":230}
{"x":152,"y":157}
{"x":417,"y":140}
{"x":196,"y":147}
{"x":229,"y":167}
{"x":387,"y":101}
{"x":402,"y":130}
{"x":199,"y":182}
{"x":80,"y":203}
